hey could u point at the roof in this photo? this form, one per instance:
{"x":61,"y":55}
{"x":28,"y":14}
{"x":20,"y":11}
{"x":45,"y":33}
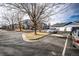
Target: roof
{"x":74,"y":24}
{"x":61,"y":24}
{"x":77,"y":21}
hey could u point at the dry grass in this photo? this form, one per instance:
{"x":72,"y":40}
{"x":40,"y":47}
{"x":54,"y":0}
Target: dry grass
{"x":32,"y":36}
{"x":18,"y":30}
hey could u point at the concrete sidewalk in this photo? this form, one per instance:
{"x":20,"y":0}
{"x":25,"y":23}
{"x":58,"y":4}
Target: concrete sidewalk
{"x":59,"y":35}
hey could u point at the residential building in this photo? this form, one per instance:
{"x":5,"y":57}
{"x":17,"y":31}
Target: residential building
{"x":61,"y":26}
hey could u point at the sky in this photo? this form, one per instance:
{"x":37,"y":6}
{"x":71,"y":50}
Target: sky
{"x":71,"y":14}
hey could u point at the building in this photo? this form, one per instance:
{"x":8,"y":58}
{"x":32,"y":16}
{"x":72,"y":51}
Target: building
{"x":61,"y":26}
{"x":73,"y":24}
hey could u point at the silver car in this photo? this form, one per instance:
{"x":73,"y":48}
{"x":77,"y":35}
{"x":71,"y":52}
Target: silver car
{"x":52,"y":30}
{"x":75,"y":38}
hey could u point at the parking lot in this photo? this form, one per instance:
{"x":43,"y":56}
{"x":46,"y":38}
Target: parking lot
{"x":11,"y":43}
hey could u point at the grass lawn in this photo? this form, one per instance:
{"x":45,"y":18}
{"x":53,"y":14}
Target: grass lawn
{"x":32,"y":36}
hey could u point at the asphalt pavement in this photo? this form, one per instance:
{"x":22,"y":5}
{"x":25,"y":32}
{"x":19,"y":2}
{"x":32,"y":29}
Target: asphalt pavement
{"x":12,"y":44}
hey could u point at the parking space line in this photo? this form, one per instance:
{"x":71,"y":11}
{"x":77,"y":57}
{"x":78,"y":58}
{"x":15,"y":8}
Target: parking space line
{"x":65,"y":46}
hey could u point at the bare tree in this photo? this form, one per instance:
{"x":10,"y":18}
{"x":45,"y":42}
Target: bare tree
{"x":7,"y":16}
{"x":38,"y":12}
{"x":19,"y":16}
{"x":13,"y":16}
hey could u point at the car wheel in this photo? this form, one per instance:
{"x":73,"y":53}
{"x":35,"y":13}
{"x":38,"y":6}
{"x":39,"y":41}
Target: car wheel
{"x":73,"y":46}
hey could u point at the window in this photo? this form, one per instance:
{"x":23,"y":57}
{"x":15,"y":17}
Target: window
{"x":52,"y":28}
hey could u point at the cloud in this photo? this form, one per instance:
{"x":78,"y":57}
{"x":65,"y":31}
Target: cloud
{"x":75,"y":16}
{"x":72,"y":14}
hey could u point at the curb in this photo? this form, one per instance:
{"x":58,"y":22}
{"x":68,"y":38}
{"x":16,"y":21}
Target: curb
{"x":58,"y":35}
{"x":32,"y":40}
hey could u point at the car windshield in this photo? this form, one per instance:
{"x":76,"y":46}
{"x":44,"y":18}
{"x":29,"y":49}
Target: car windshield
{"x":52,"y":28}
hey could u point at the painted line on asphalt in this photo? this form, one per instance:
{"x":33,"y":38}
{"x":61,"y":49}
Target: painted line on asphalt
{"x":65,"y":46}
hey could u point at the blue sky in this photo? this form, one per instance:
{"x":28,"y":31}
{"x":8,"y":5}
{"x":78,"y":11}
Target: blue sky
{"x":71,"y":14}
{"x":75,"y":14}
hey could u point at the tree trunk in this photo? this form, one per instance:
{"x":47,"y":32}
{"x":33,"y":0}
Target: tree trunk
{"x":9,"y":27}
{"x":20,"y":26}
{"x":12,"y":26}
{"x":35,"y":30}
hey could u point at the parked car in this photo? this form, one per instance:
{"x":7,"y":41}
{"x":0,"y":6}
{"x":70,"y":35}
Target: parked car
{"x":52,"y":30}
{"x":75,"y":37}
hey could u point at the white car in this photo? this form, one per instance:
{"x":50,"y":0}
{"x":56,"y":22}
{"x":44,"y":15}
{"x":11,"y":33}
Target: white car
{"x":52,"y":30}
{"x":75,"y":38}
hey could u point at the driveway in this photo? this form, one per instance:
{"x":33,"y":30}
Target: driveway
{"x":11,"y":43}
